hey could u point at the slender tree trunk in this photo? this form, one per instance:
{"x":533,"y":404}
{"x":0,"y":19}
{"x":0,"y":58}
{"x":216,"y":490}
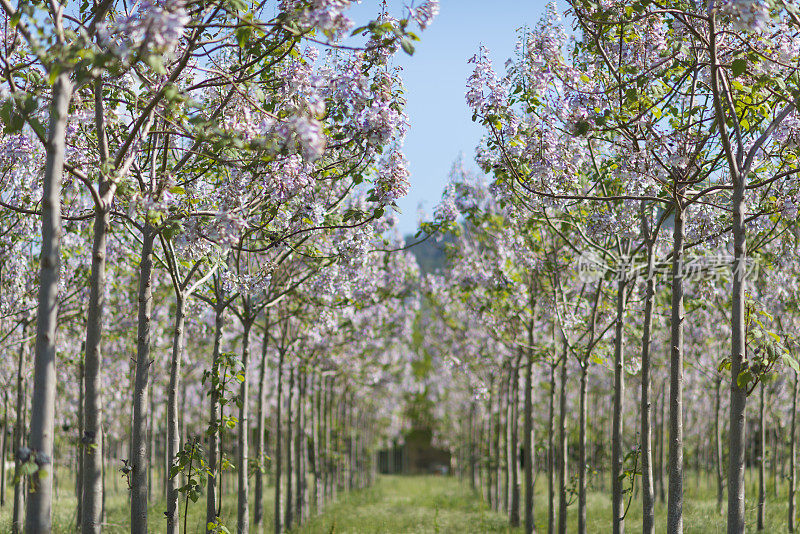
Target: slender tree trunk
{"x":319,"y":490}
{"x":530,"y":527}
{"x":509,"y":444}
{"x":513,"y":514}
{"x":258,"y":513}
{"x":243,"y":427}
{"x":675,"y":497}
{"x":327,"y":437}
{"x":774,"y":460}
{"x":617,"y":423}
{"x":646,"y":454}
{"x":290,"y":415}
{"x":551,"y":450}
{"x":738,"y":396}
{"x":762,"y":456}
{"x":39,"y":505}
{"x":79,"y":455}
{"x":489,"y":442}
{"x":471,"y":446}
{"x":497,"y":450}
{"x":793,"y":453}
{"x":718,"y":441}
{"x":18,"y":520}
{"x":661,"y":434}
{"x":214,"y":427}
{"x":92,"y":446}
{"x":173,"y":430}
{"x":279,"y":441}
{"x":4,"y":449}
{"x":582,"y":457}
{"x":562,"y":445}
{"x":139,"y":458}
{"x":298,"y":446}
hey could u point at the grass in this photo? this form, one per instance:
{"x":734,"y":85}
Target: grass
{"x":430,"y":504}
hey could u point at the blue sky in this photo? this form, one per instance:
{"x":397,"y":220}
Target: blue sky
{"x":435,"y":78}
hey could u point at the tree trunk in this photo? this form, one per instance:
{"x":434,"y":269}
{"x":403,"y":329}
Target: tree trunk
{"x":18,"y":521}
{"x":243,"y":427}
{"x":738,"y":396}
{"x":762,"y":456}
{"x":497,"y":451}
{"x":582,"y":458}
{"x":661,"y":433}
{"x":793,"y":453}
{"x":562,"y":445}
{"x":471,"y":446}
{"x":513,"y":513}
{"x":79,"y":455}
{"x":617,"y":423}
{"x":139,"y":459}
{"x":530,"y":527}
{"x":718,"y":441}
{"x":279,"y":441}
{"x":214,"y":427}
{"x":258,"y":513}
{"x":646,"y":453}
{"x":319,"y":490}
{"x":289,"y":508}
{"x":4,"y":449}
{"x":298,"y":446}
{"x":39,"y":505}
{"x":551,"y":449}
{"x":173,"y":430}
{"x":675,"y":497}
{"x":92,"y":445}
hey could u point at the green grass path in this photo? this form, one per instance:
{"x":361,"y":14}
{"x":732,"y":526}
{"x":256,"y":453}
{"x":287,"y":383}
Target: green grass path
{"x":409,"y":504}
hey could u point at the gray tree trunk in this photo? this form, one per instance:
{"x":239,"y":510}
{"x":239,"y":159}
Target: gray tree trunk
{"x":213,"y":423}
{"x":718,"y":442}
{"x":793,"y":453}
{"x":617,"y":423}
{"x":562,"y":445}
{"x":279,"y":442}
{"x":738,"y":396}
{"x":319,"y":490}
{"x":4,"y":450}
{"x":675,"y":496}
{"x":289,"y":508}
{"x":300,"y":447}
{"x":646,"y":429}
{"x":258,"y":513}
{"x":243,"y":427}
{"x":18,"y":514}
{"x":513,"y":511}
{"x":762,"y":456}
{"x":139,"y":458}
{"x":497,"y":450}
{"x":92,"y":443}
{"x":39,"y":505}
{"x":79,"y":455}
{"x":582,"y":457}
{"x":173,"y":430}
{"x":530,"y":527}
{"x":551,"y":448}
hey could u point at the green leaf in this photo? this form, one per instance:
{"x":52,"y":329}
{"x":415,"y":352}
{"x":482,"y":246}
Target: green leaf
{"x":407,"y":45}
{"x":744,"y":378}
{"x":738,"y":67}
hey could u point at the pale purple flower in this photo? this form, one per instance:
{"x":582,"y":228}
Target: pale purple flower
{"x":425,"y":13}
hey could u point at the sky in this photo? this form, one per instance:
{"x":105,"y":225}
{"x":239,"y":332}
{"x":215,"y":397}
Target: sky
{"x":435,"y":80}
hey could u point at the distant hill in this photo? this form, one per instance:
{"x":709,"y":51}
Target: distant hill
{"x":430,"y":253}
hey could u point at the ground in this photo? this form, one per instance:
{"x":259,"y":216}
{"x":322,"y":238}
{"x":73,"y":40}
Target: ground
{"x":431,"y":504}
